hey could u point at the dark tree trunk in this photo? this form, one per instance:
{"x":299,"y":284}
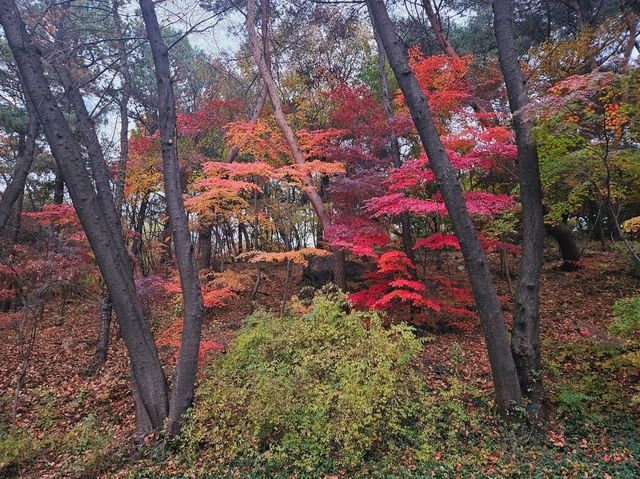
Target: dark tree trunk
{"x":138,"y":227}
{"x":185,"y":374}
{"x":204,"y":247}
{"x":104,"y":335}
{"x":15,"y":188}
{"x":394,"y":147}
{"x":98,"y":218}
{"x":507,"y":390}
{"x":567,"y":243}
{"x":58,"y":188}
{"x":525,"y":335}
{"x":125,"y":94}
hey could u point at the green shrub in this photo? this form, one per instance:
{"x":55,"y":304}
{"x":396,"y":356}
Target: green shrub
{"x":633,"y":268}
{"x":17,"y":448}
{"x":626,"y":314}
{"x":315,"y":392}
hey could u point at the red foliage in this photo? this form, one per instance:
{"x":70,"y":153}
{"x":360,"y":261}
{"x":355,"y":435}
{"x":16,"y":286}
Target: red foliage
{"x":437,"y":241}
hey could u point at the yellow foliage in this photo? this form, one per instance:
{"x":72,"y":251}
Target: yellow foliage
{"x":298,"y":256}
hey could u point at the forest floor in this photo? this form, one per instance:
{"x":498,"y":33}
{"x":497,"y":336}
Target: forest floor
{"x":73,"y":426}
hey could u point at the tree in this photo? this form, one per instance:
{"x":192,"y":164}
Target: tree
{"x":193,"y":309}
{"x":507,"y":390}
{"x":525,"y":335}
{"x":99,"y":221}
{"x":290,"y":137}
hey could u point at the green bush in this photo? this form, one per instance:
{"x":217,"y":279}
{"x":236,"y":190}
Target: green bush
{"x":626,"y":317}
{"x":314,"y":392}
{"x":633,"y":268}
{"x":17,"y":448}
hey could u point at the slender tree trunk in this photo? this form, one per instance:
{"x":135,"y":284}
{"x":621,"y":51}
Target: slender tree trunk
{"x":106,"y":307}
{"x":104,"y":334}
{"x":125,"y":94}
{"x":308,"y":185}
{"x":97,"y":217}
{"x":185,"y":375}
{"x":567,"y":243}
{"x":15,"y":188}
{"x":394,"y":146}
{"x":438,"y":31}
{"x":204,"y":246}
{"x":525,"y":335}
{"x":138,"y":229}
{"x":58,"y":188}
{"x":505,"y":380}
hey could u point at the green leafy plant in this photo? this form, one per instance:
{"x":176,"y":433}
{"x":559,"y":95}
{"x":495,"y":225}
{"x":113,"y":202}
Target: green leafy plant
{"x":626,"y":317}
{"x":313,"y":392}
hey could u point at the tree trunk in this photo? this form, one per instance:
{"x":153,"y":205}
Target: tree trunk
{"x":15,"y":188}
{"x":104,"y":235}
{"x":507,"y":391}
{"x":308,"y":187}
{"x":204,"y":246}
{"x":438,"y":31}
{"x":185,"y":374}
{"x":525,"y":335}
{"x":104,"y":334}
{"x":394,"y":147}
{"x":567,"y":243}
{"x":58,"y":188}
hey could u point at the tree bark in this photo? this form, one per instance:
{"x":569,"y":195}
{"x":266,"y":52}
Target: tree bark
{"x":58,"y":188}
{"x":566,"y":242}
{"x":104,"y":238}
{"x":438,"y":31}
{"x":185,"y":374}
{"x":125,"y":94}
{"x":525,"y":335}
{"x":505,"y":380}
{"x":394,"y":146}
{"x":308,"y":187}
{"x":15,"y":187}
{"x":204,"y":246}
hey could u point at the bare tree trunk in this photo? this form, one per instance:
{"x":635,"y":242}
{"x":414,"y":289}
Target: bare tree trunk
{"x":97,"y":215}
{"x":438,"y":31}
{"x":58,"y":188}
{"x":125,"y":94}
{"x":308,"y":185}
{"x":185,"y":374}
{"x":405,"y":220}
{"x":15,"y":188}
{"x":566,"y":242}
{"x":505,"y":380}
{"x":204,"y":246}
{"x":106,"y":307}
{"x":525,"y":335}
{"x":104,"y":334}
{"x":138,"y":227}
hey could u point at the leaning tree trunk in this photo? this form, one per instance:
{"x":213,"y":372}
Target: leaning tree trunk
{"x":103,"y":233}
{"x":569,"y":250}
{"x":505,"y":380}
{"x":525,"y":335}
{"x":308,"y":186}
{"x":185,"y":375}
{"x":15,"y":187}
{"x":106,"y":308}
